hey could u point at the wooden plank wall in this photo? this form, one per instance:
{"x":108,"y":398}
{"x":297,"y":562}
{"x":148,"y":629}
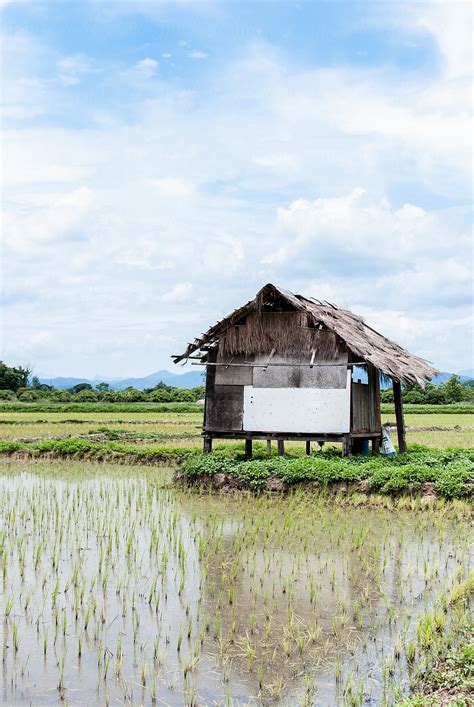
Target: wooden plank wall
{"x":225,"y":385}
{"x":366,"y":404}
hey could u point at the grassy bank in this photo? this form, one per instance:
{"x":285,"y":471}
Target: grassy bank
{"x":85,"y":449}
{"x":448,"y":473}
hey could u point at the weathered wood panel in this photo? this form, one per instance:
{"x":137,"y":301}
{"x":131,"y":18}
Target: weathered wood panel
{"x":233,"y":375}
{"x":324,"y":376}
{"x":360,"y":408}
{"x":276,"y":377}
{"x":374,"y":395}
{"x":224,"y":408}
{"x":210,"y":381}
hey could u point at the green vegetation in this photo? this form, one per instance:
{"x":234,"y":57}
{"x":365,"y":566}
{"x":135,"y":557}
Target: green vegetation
{"x":85,"y":449}
{"x":451,"y":471}
{"x":451,"y":391}
{"x":445,"y":660}
{"x":12,"y":379}
{"x":49,"y":406}
{"x":414,"y":409}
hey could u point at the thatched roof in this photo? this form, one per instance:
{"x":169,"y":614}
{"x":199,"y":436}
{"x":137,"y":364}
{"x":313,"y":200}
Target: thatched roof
{"x":365,"y":344}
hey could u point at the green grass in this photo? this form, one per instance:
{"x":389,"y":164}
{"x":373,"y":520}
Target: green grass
{"x":84,"y":449}
{"x":46,"y":406}
{"x":459,"y":408}
{"x":449,"y":470}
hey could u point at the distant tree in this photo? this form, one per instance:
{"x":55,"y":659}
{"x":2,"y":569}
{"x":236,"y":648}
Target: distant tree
{"x":386,"y":396}
{"x":102,"y":386}
{"x":80,"y":386}
{"x":159,"y":386}
{"x":133,"y":395}
{"x":434,"y":395}
{"x":59,"y":396}
{"x":469,"y":383}
{"x":199,"y":392}
{"x":36,"y":384}
{"x":453,"y":390}
{"x":87,"y":395}
{"x":12,"y":378}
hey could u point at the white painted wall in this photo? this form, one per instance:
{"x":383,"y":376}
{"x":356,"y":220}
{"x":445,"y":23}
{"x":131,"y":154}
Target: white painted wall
{"x":297,"y":409}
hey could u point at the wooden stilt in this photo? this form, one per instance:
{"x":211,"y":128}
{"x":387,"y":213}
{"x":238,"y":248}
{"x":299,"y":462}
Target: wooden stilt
{"x":207,"y":447}
{"x":376,"y":445}
{"x":248,"y":448}
{"x":346,"y":445}
{"x":398,"y":400}
{"x":269,"y":448}
{"x":308,"y":446}
{"x":281,"y":447}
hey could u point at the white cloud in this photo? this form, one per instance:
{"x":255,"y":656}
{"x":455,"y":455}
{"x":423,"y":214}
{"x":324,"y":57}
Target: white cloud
{"x":72,"y":68}
{"x":179,"y":293}
{"x":172,"y":187}
{"x":148,"y":66}
{"x":273,"y":173}
{"x":197,"y":54}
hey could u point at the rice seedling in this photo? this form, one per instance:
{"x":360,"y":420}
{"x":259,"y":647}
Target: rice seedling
{"x":134,"y":591}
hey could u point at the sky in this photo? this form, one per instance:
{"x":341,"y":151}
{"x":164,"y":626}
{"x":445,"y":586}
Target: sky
{"x":162,"y":161}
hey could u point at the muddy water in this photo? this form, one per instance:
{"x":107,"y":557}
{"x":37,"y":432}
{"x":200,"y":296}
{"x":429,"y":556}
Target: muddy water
{"x":116,"y":588}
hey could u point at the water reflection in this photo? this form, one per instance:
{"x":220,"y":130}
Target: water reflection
{"x":117,"y":588}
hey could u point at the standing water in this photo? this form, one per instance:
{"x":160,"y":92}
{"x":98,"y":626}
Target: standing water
{"x":117,"y":587}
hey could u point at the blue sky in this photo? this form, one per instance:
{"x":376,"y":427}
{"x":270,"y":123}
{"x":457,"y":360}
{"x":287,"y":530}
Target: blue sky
{"x":164,"y":160}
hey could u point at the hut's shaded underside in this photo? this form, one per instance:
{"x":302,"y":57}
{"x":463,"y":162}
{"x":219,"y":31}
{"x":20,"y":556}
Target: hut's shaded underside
{"x":266,"y":329}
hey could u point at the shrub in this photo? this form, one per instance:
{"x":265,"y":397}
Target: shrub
{"x":132,"y":395}
{"x":86,"y":395}
{"x":28,"y":395}
{"x":60,"y":396}
{"x":7,"y":395}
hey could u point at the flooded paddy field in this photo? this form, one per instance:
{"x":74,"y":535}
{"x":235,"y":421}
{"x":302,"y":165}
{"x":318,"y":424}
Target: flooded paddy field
{"x":119,"y":588}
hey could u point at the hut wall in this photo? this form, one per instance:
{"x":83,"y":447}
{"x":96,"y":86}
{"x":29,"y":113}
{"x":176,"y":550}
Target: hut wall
{"x":365,"y":415}
{"x":286,"y":396}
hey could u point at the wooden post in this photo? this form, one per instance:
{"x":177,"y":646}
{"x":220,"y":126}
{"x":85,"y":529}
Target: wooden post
{"x":308,"y":447}
{"x":376,"y":445}
{"x":207,"y":447}
{"x":398,"y":400}
{"x":346,"y":445}
{"x":269,"y":448}
{"x":281,"y":447}
{"x":248,"y":448}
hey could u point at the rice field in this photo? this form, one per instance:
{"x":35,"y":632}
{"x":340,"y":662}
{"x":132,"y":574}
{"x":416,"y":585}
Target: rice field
{"x":184,"y":429}
{"x":119,"y":588}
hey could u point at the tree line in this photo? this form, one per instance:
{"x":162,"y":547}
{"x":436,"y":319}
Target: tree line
{"x":17,"y":383}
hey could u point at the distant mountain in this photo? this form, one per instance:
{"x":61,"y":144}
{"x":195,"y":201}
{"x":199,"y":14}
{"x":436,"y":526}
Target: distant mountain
{"x":443,"y":377}
{"x":469,"y":374}
{"x":191,"y":379}
{"x":184,"y":380}
{"x":177,"y":380}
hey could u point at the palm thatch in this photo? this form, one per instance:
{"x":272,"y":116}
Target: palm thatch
{"x":263,"y":324}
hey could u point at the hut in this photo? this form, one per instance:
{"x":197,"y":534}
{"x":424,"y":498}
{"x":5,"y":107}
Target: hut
{"x":284,"y":367}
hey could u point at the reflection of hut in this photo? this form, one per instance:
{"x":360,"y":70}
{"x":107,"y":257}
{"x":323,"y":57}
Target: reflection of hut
{"x":281,"y":367}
